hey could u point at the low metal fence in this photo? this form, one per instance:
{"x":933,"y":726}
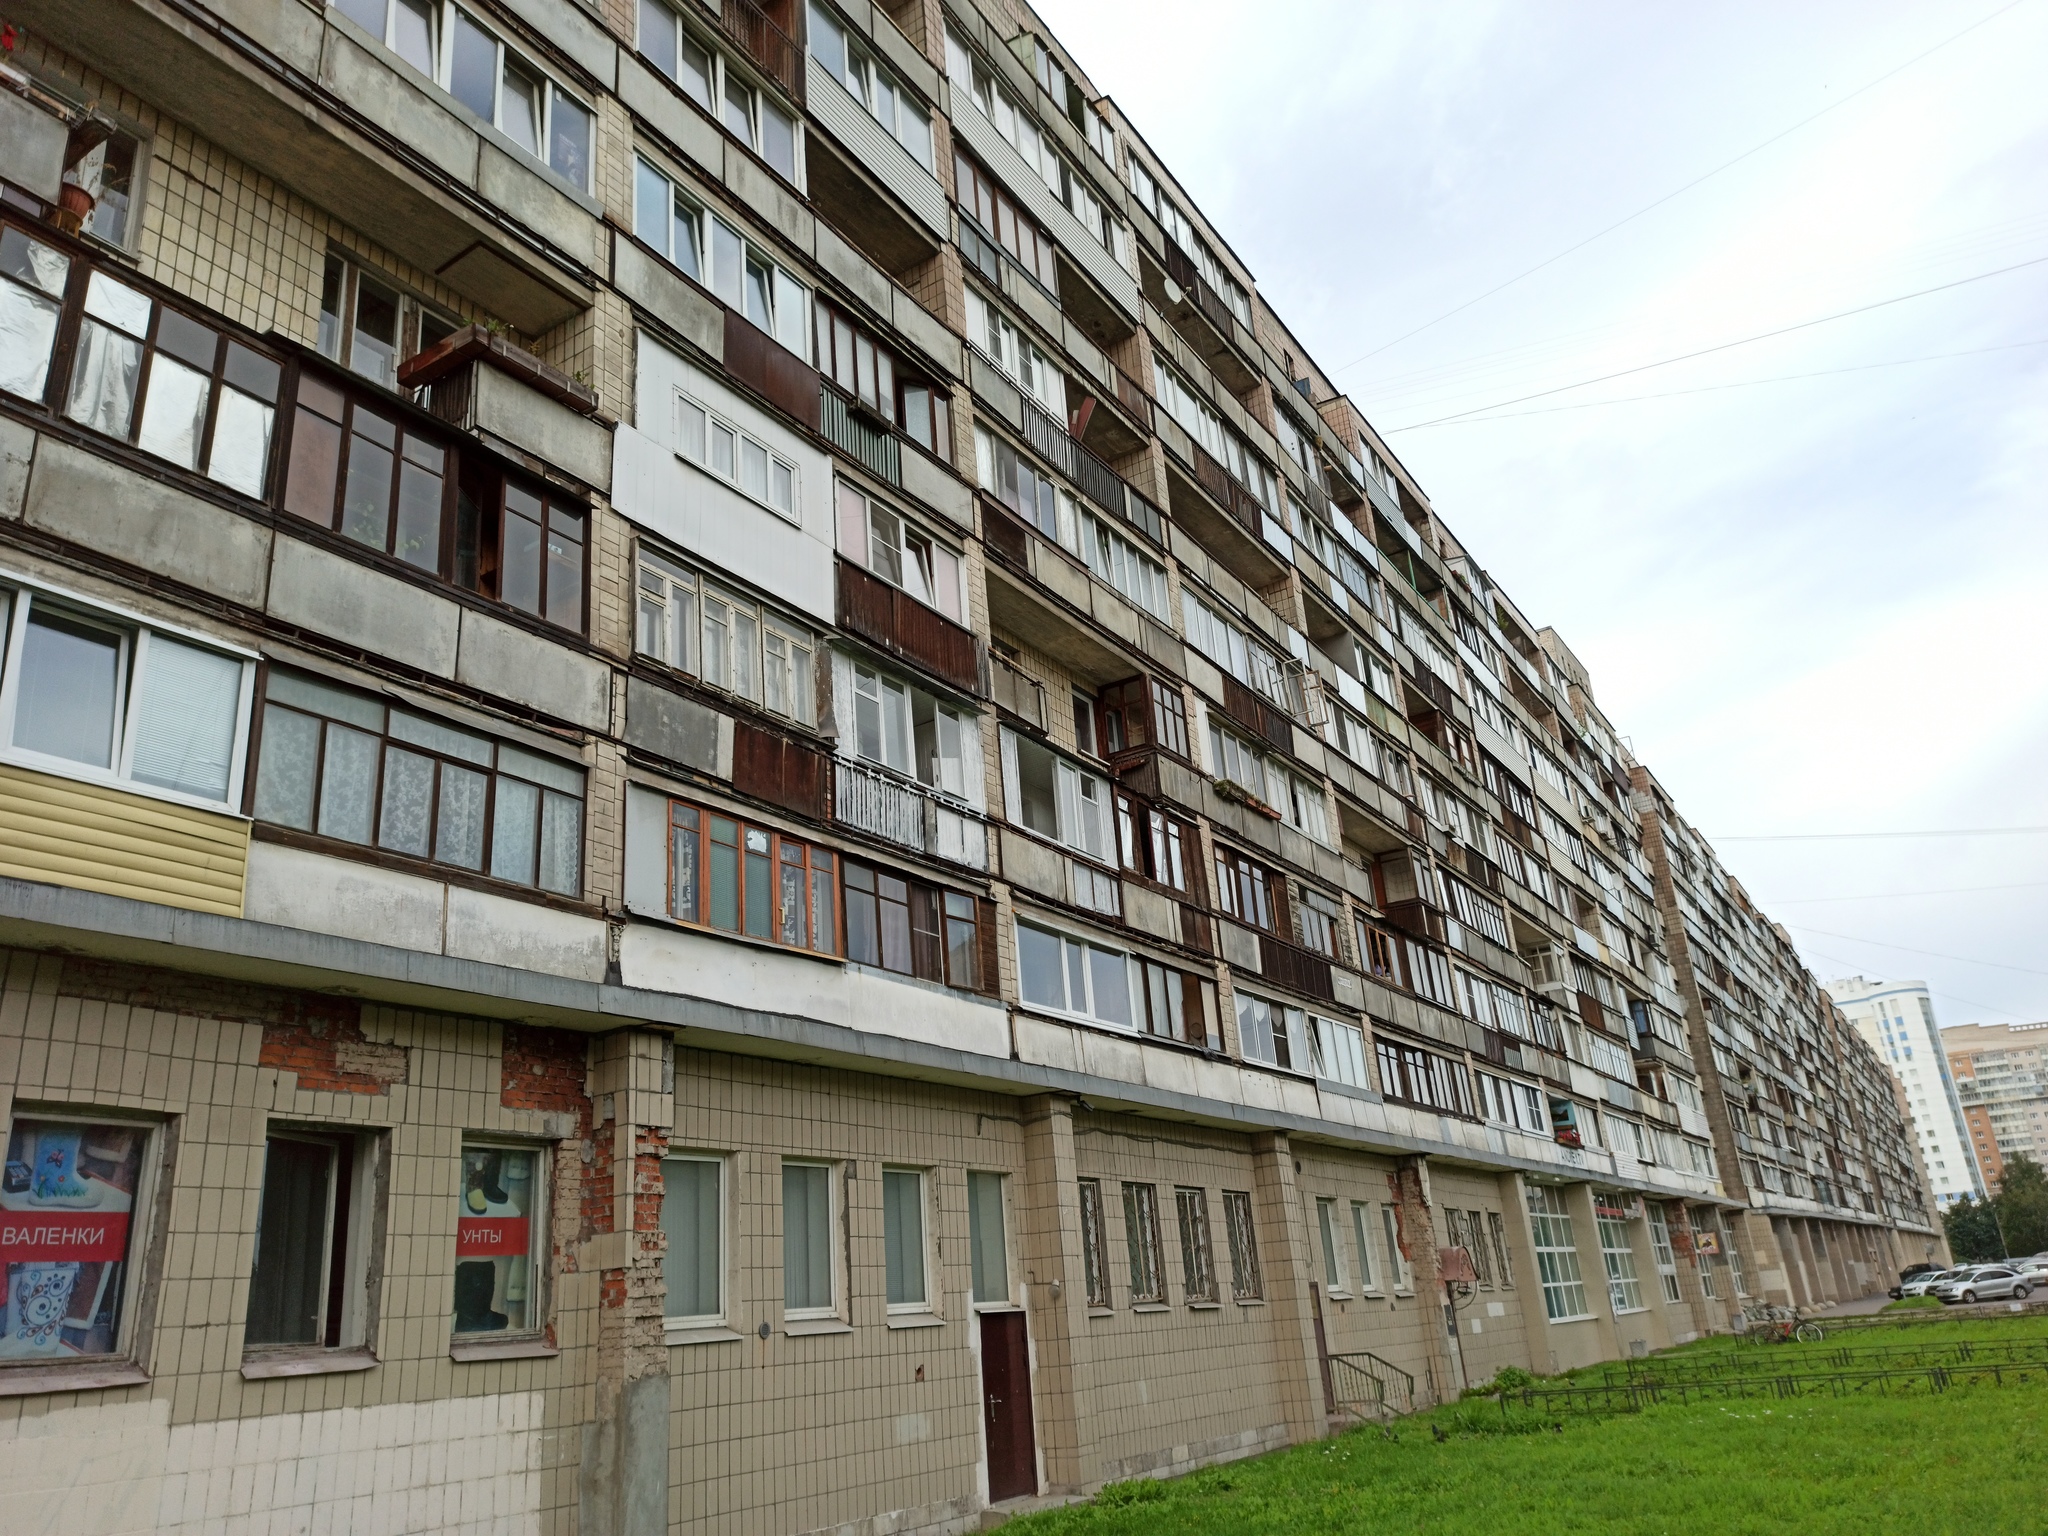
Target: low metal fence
{"x":1634,"y":1396}
{"x":1814,"y":1359}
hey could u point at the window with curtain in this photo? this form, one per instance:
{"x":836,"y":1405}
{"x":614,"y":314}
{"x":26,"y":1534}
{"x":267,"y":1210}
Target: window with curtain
{"x":1141,"y":1238}
{"x":693,"y":1220}
{"x":347,"y":765}
{"x":987,"y":1239}
{"x":906,"y":1277}
{"x":732,"y":643}
{"x":912,"y":928}
{"x":807,"y":1268}
{"x":739,"y":877}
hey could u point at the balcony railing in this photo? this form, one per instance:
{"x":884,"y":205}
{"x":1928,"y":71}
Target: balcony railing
{"x":874,"y":447}
{"x":756,"y":359}
{"x":1020,"y":693}
{"x":765,"y":42}
{"x":1289,"y":965}
{"x":1133,"y":399}
{"x":899,"y":623}
{"x":1221,"y":484}
{"x":908,"y":815}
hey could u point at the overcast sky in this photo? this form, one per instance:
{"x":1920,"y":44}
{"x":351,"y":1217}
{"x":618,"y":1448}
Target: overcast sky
{"x":1813,"y":605}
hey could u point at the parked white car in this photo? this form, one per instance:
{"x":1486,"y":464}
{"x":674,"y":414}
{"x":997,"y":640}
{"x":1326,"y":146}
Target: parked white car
{"x":1921,"y":1285}
{"x":1985,"y":1282}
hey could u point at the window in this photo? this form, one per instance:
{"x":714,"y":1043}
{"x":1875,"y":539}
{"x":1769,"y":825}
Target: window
{"x":1503,"y":1264}
{"x":1199,"y":419}
{"x":500,"y":1228}
{"x":904,"y":728}
{"x":1245,"y":891}
{"x":912,"y":928}
{"x":1106,"y":986}
{"x":1333,"y":1261}
{"x":732,"y":643}
{"x":738,"y":458}
{"x":983,"y":199}
{"x":1055,"y":798}
{"x":102,"y":166}
{"x":345,"y":765}
{"x":736,"y":876}
{"x":807,"y":1289}
{"x":892,"y":547}
{"x":369,"y":326}
{"x":902,"y":117}
{"x":1504,"y":1100}
{"x":1557,"y":1260}
{"x":1317,"y":918}
{"x":151,"y":375}
{"x":409,"y":28}
{"x":1339,"y":1052}
{"x":871,"y":372}
{"x":516,"y":98}
{"x":1273,"y":1033}
{"x":757,"y":122}
{"x":1143,"y":710}
{"x":370,"y":474}
{"x":32,"y":282}
{"x":693,"y":1220}
{"x":88,"y":694}
{"x":1661,"y":1251}
{"x":1246,"y":1283}
{"x":1141,"y":1234}
{"x":1182,"y":233}
{"x":905,"y":1258}
{"x":975,"y":83}
{"x":1197,"y":1259}
{"x":986,"y":1240}
{"x":1094,"y":1245}
{"x":1624,"y":1289}
{"x":662,"y":217}
{"x":1469,"y":1230}
{"x":715,"y":255}
{"x":997,"y":337}
{"x":1361,"y":1243}
{"x":311,"y":1241}
{"x":1423,"y":1077}
{"x":1155,"y":845}
{"x":74,"y":1209}
{"x":1225,"y":641}
{"x":1049,"y":507}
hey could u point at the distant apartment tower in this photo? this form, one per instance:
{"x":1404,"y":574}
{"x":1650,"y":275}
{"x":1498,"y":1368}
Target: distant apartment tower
{"x":2001,"y":1077}
{"x":1897,"y":1019}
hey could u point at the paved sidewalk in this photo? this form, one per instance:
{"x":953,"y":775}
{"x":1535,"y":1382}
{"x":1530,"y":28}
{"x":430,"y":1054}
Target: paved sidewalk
{"x":1863,"y":1306}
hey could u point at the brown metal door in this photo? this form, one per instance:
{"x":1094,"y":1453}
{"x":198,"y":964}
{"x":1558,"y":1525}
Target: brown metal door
{"x":1006,"y":1407}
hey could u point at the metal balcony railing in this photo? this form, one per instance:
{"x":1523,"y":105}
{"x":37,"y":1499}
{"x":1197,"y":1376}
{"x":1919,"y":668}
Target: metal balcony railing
{"x":869,"y":444}
{"x":765,"y":43}
{"x":908,"y":815}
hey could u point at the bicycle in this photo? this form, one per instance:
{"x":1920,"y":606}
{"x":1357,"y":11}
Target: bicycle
{"x":1778,"y":1325}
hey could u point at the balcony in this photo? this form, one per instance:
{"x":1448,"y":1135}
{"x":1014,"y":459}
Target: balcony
{"x":870,"y":445}
{"x":1018,"y":692}
{"x":898,"y":623}
{"x":1098,"y":482}
{"x":766,"y":41}
{"x":1041,"y":596}
{"x":1299,"y":970}
{"x":909,"y":815}
{"x":1201,"y":315}
{"x":771,"y":370}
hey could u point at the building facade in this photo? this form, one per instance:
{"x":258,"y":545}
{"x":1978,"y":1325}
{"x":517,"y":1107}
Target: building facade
{"x":1896,"y":1019}
{"x":730,"y":802}
{"x":2001,"y":1077}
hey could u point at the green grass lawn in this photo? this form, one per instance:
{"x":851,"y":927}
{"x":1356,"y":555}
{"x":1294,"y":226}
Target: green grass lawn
{"x":1972,"y":1459}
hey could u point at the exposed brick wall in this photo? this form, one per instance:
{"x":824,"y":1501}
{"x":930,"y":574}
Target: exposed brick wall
{"x":322,"y":1041}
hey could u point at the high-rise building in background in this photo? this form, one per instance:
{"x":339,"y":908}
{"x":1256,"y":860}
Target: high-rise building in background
{"x":1896,"y":1018}
{"x":730,"y":797}
{"x":2001,"y":1077}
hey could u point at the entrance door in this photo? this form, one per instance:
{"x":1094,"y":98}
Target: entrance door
{"x":1006,"y":1407}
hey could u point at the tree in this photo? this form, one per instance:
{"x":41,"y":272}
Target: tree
{"x":2022,"y":1204}
{"x":1972,"y":1228}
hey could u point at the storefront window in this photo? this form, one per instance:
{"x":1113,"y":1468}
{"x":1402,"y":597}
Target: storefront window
{"x":69,"y":1207}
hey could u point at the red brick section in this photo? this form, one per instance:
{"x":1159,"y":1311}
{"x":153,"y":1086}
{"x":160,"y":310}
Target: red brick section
{"x":545,"y":1069}
{"x":321,"y":1040}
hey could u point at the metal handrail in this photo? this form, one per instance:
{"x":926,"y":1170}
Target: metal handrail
{"x":1364,"y":1380}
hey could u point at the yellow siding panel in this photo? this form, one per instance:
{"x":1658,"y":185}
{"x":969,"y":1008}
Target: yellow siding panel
{"x":93,"y":838}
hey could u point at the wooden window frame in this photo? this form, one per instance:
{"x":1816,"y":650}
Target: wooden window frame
{"x":688,"y":819}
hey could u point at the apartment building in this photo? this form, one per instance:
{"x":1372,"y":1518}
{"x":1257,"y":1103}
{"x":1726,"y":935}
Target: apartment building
{"x":2000,"y":1072}
{"x":1896,"y":1019}
{"x":730,"y":802}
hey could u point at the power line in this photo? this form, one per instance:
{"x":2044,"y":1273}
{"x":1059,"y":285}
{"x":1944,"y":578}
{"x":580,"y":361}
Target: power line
{"x":1704,"y":389}
{"x":1824,"y":837}
{"x":1821,"y":954}
{"x":1667,"y":197}
{"x":1686,"y":357}
{"x":1909,"y":949}
{"x":1954,"y":890}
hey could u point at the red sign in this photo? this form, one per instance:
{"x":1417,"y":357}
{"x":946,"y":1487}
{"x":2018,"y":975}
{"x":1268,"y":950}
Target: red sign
{"x":36,"y":1237}
{"x":490,"y":1237}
